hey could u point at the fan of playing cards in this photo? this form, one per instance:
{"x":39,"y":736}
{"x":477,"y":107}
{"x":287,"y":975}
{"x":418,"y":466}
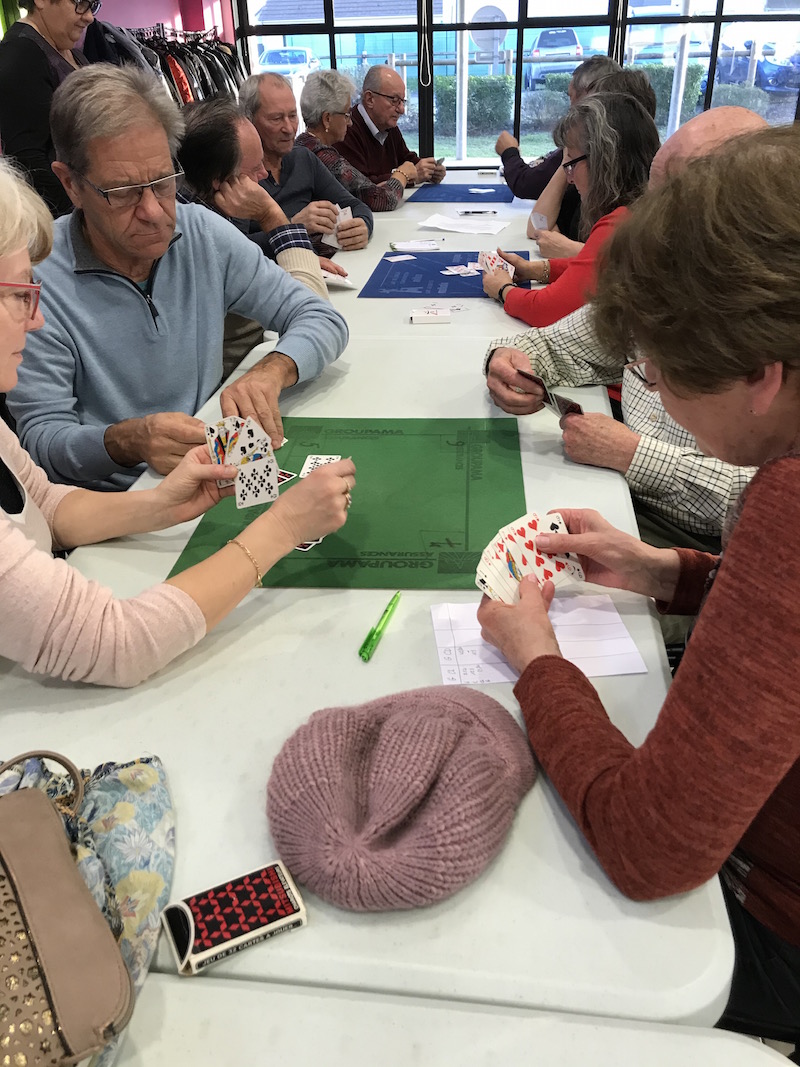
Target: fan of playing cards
{"x":512,"y":553}
{"x":244,"y":444}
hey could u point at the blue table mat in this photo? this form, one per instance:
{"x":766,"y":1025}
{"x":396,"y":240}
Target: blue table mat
{"x":421,"y":277}
{"x":460,"y":194}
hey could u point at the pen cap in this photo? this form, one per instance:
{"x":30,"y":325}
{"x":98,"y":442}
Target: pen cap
{"x":400,"y":802}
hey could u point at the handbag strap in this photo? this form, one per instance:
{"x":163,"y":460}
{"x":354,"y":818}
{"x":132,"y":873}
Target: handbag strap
{"x":68,"y":766}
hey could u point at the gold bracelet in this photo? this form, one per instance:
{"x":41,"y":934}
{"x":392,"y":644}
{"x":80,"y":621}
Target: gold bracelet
{"x":251,"y":557}
{"x":545,"y":278}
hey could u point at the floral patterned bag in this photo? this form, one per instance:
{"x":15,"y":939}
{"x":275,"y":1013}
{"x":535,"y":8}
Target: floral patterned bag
{"x":123,"y":838}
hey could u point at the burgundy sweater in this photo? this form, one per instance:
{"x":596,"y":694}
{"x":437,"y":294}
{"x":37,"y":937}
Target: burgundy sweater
{"x":716,"y":784}
{"x":372,"y":158}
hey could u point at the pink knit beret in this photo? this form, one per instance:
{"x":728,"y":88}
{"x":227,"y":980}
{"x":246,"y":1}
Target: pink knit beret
{"x":399,"y":802}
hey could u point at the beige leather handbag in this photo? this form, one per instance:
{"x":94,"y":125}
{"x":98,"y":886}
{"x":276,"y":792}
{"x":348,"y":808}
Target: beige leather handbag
{"x":65,"y":991}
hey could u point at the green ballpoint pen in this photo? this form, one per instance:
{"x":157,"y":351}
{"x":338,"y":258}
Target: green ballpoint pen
{"x":376,"y":633}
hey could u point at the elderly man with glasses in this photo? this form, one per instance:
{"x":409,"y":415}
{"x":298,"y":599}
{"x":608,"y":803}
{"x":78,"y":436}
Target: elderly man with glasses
{"x":295,"y":178}
{"x":373,"y":142}
{"x":135,"y":295}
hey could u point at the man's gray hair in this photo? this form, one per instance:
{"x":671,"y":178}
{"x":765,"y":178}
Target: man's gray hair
{"x":105,"y":101}
{"x":250,"y":90}
{"x":587,"y":74}
{"x":325,"y":90}
{"x":373,"y":79}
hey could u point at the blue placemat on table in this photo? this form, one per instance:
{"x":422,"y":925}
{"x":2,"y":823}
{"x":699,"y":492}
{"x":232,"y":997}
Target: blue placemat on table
{"x":460,"y":194}
{"x":421,"y":276}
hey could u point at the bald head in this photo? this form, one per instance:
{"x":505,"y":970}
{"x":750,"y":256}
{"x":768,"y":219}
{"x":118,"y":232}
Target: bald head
{"x":702,"y":135}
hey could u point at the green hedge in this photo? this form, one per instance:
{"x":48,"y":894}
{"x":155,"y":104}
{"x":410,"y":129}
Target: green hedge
{"x":557,"y":83}
{"x":541,"y":109}
{"x":490,"y":105}
{"x":661,"y":79}
{"x":741,"y":96}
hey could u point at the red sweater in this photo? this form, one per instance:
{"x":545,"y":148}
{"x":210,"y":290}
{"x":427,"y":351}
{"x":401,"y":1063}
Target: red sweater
{"x":372,"y":158}
{"x":572,"y":281}
{"x":717,"y":781}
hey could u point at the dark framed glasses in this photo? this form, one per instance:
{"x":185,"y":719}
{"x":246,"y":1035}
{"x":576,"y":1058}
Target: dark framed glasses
{"x":82,"y":6}
{"x":394,"y":100}
{"x":569,"y":168}
{"x":643,"y":371}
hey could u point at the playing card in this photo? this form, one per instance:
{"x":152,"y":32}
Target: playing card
{"x":285,"y":476}
{"x":257,"y":483}
{"x":564,"y":406}
{"x":540,"y":382}
{"x":512,"y":555}
{"x":247,"y":439}
{"x":312,"y":462}
{"x":491,"y":261}
{"x":306,"y":545}
{"x":539,"y":220}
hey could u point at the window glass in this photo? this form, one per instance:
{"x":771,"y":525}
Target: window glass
{"x":550,"y":56}
{"x":538,"y":9}
{"x":758,"y":67}
{"x":473,"y":91}
{"x":356,"y":52}
{"x":266,"y":11}
{"x":672,"y":55}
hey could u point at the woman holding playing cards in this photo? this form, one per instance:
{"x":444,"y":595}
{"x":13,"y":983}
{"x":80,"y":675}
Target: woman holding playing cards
{"x":57,"y":622}
{"x":704,"y":297}
{"x":609,"y":141}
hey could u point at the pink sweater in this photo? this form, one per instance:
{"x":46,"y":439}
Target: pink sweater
{"x":55,"y":621}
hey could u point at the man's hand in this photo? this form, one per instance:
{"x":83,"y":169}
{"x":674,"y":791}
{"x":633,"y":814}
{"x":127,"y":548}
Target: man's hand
{"x":504,"y":141}
{"x":242,"y":198}
{"x":160,"y":440}
{"x":425,"y":169}
{"x":555,"y":245}
{"x":318,"y":217}
{"x":522,"y":631}
{"x":331,"y":267}
{"x":599,"y":441}
{"x":508,"y":389}
{"x":256,"y":394}
{"x":352,"y":234}
{"x":439,"y":171}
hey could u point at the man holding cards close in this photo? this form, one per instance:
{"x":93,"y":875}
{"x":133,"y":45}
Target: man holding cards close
{"x":296,"y":179}
{"x":56,"y":621}
{"x":136,"y":292}
{"x":715,"y":786}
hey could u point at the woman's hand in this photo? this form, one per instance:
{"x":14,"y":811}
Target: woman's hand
{"x":524,"y":270}
{"x":317,"y":505}
{"x":191,"y":488}
{"x":612,"y":558}
{"x":494,"y":280}
{"x":555,"y":245}
{"x":521,"y":631}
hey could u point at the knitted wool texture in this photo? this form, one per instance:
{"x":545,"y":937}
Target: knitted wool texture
{"x":400,"y":802}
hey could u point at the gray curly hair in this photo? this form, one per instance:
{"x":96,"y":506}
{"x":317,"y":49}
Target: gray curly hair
{"x":325,"y":90}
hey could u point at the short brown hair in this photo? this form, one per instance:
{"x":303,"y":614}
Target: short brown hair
{"x":703,"y":286}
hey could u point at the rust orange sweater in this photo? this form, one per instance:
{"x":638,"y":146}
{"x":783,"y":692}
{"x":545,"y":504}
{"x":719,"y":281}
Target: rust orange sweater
{"x":717,"y":781}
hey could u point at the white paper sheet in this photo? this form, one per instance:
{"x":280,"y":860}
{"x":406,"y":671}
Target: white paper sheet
{"x":470,"y":224}
{"x":588,"y":629}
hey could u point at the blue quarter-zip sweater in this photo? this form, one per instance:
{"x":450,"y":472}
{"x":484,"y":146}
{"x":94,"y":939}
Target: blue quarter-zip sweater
{"x":109,"y":352}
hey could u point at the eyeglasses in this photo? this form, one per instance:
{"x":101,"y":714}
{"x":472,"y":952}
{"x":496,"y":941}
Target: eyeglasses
{"x":25,"y":302}
{"x":122,"y":196}
{"x":395,"y":101}
{"x":569,"y":168}
{"x":346,"y":115}
{"x":82,"y":6}
{"x":641,"y":368}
